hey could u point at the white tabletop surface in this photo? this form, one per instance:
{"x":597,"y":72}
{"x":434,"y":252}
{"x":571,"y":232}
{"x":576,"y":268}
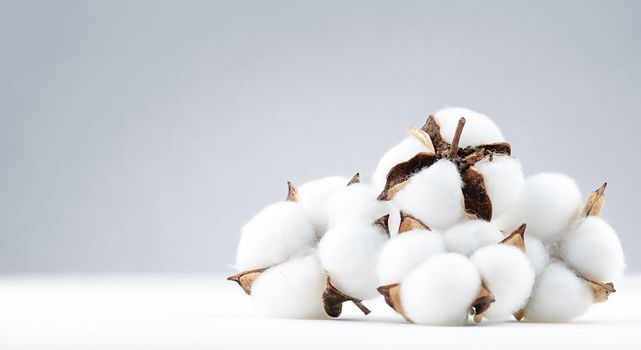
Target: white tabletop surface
{"x":207,"y":312}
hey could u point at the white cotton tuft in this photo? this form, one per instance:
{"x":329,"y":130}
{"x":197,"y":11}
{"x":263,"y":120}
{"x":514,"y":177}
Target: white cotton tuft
{"x":559,"y":295}
{"x":405,"y":252}
{"x":548,"y":204}
{"x":403,"y":151}
{"x":503,"y":178}
{"x":479,"y":129}
{"x":467,"y":237}
{"x":593,"y":249}
{"x":313,"y":197}
{"x":355,"y":203}
{"x":292,"y":289}
{"x":508,"y":275}
{"x":278,"y":232}
{"x":441,"y":290}
{"x":349,"y":254}
{"x":537,"y":253}
{"x":434,"y":195}
{"x":508,"y":221}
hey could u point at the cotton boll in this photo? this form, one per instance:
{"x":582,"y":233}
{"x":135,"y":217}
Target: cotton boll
{"x":434,"y":195}
{"x":508,"y":274}
{"x":593,"y":249}
{"x":537,"y":253}
{"x":274,"y":235}
{"x":503,"y":178}
{"x":479,"y":129}
{"x":356,"y":202}
{"x":441,"y":290}
{"x":403,"y":151}
{"x":548,"y":203}
{"x":559,"y":295}
{"x":403,"y":253}
{"x":349,"y":254}
{"x":292,"y":289}
{"x":508,"y":221}
{"x":467,"y":237}
{"x":313,"y":197}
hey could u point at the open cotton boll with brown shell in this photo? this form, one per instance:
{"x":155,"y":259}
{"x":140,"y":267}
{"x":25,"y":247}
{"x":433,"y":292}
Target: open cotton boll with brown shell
{"x":593,"y":249}
{"x":548,"y":203}
{"x":503,"y":178}
{"x":466,"y":237}
{"x":479,"y":128}
{"x":278,"y":232}
{"x":403,"y":253}
{"x":355,"y":203}
{"x":401,"y":152}
{"x":313,"y":197}
{"x":559,"y":295}
{"x":349,"y":253}
{"x":441,"y":290}
{"x":508,"y":274}
{"x":292,"y":289}
{"x":434,"y":195}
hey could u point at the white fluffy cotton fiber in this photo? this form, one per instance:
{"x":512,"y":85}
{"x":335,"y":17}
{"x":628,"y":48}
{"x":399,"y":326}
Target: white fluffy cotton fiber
{"x":292,"y":289}
{"x":479,"y":129}
{"x":355,"y":203}
{"x":441,"y":290}
{"x":403,"y":151}
{"x":313,"y":197}
{"x":349,"y":254}
{"x":508,"y":275}
{"x":548,"y":204}
{"x":559,"y":295}
{"x":468,"y":236}
{"x":434,"y":195}
{"x":503,"y":178}
{"x":593,"y":249}
{"x":275,"y":234}
{"x":405,"y":252}
{"x":537,"y":253}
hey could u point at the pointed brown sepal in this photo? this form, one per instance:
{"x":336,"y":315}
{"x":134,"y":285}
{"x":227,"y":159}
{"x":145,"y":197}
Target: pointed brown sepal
{"x":245,"y":279}
{"x":519,"y":314}
{"x":292,"y":193}
{"x":383,"y":222}
{"x":422,"y":136}
{"x":516,"y":238}
{"x":399,"y":174}
{"x":595,"y":201}
{"x":355,"y":179}
{"x":409,"y":222}
{"x":433,"y":129}
{"x":392,"y":295}
{"x":600,"y":291}
{"x":333,"y":300}
{"x":502,"y":148}
{"x":483,"y":301}
{"x":477,"y":201}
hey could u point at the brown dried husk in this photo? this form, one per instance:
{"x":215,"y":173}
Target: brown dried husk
{"x":392,"y":295}
{"x":333,"y":300}
{"x":409,"y":222}
{"x":246,"y":279}
{"x":483,"y":301}
{"x":516,"y":238}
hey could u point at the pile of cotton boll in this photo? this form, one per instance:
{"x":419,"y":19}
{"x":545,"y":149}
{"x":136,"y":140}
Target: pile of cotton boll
{"x":448,"y":229}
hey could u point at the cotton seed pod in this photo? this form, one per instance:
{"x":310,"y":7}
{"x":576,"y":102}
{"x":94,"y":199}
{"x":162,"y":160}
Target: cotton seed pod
{"x":355,"y":203}
{"x":313,"y":197}
{"x":559,"y":295}
{"x":549,"y":203}
{"x":593,"y":249}
{"x":508,"y":274}
{"x":349,"y":254}
{"x":275,"y":234}
{"x":440,"y":291}
{"x":476,"y":199}
{"x":503,"y":178}
{"x":466,"y":237}
{"x":403,"y":253}
{"x":292,"y":289}
{"x":479,"y":128}
{"x":406,"y":149}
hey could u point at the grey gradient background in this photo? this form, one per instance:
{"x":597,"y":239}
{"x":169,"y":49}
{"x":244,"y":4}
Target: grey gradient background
{"x":139,"y":136}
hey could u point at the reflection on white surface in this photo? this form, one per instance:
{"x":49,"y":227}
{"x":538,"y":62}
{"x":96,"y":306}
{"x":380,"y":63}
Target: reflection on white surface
{"x":208,"y":312}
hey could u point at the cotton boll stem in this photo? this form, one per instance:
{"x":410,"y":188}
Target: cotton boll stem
{"x":457,"y":138}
